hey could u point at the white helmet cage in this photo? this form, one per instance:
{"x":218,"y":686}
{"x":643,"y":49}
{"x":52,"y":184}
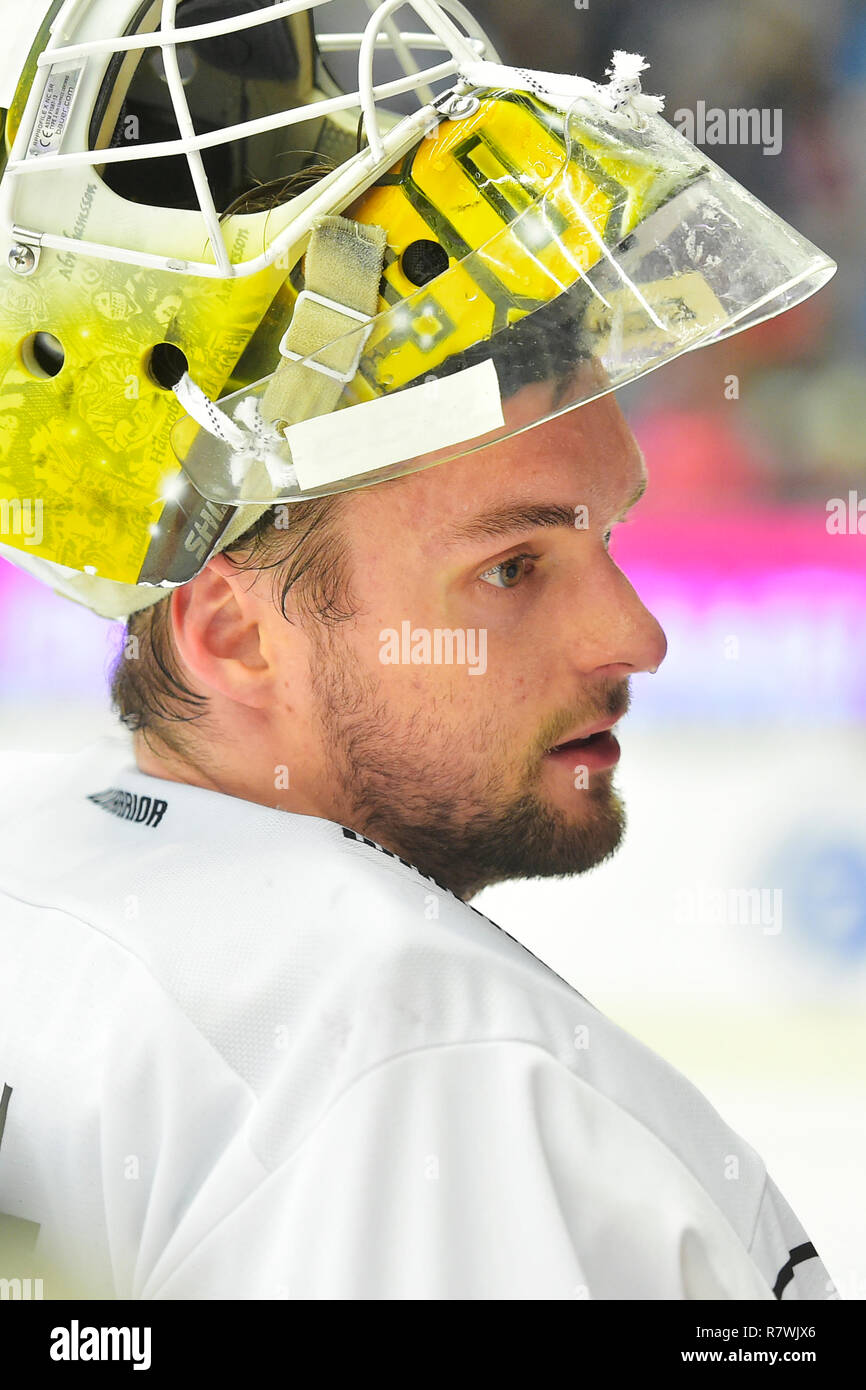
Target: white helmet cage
{"x":181,"y":77}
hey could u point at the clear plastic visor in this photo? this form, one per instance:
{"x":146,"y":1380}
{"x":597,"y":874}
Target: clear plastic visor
{"x":577,"y":308}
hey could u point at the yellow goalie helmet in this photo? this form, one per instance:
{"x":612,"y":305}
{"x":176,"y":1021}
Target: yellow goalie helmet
{"x":228,"y":282}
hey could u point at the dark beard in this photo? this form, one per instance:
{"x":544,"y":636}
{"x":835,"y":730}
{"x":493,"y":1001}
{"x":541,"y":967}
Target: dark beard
{"x":524,"y":840}
{"x":458,"y":827}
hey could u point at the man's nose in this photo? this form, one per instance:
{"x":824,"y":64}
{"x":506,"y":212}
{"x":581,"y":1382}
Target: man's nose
{"x":619,"y":634}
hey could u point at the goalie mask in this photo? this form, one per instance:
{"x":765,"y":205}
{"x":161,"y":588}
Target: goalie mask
{"x":227,"y":282}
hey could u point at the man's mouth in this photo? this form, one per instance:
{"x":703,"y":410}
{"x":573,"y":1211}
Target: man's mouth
{"x":594,"y":752}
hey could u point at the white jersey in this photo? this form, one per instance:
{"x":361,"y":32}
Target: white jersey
{"x":250,"y":1054}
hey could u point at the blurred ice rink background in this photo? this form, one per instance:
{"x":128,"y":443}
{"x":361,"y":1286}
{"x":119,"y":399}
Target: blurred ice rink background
{"x":744,"y":758}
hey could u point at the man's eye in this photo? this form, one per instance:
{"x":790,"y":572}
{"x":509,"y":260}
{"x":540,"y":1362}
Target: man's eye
{"x":508,"y":573}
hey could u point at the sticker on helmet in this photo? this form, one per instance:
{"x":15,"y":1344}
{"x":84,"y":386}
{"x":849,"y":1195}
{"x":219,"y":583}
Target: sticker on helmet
{"x":392,"y":429}
{"x":54,"y":109}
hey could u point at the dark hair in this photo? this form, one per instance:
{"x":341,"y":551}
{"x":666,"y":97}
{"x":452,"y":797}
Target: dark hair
{"x":301,"y":543}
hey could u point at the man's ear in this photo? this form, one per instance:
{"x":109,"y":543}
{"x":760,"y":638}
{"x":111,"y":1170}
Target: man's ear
{"x":220,"y":624}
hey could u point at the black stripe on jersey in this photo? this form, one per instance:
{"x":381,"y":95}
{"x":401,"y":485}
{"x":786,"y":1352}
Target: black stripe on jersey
{"x":4,"y":1106}
{"x":17,"y":1236}
{"x":374,"y":844}
{"x":786,"y":1273}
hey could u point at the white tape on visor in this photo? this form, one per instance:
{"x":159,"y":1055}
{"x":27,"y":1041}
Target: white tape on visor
{"x":375,"y":434}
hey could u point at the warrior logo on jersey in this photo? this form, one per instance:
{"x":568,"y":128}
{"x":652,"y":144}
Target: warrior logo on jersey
{"x":143,"y":810}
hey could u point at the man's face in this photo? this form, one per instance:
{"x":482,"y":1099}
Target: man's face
{"x":498,"y":561}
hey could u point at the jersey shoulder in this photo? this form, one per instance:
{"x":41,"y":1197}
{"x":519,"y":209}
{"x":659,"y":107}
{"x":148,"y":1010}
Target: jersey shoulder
{"x":306,"y":955}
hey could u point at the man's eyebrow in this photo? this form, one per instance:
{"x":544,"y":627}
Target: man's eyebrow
{"x":504,"y":521}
